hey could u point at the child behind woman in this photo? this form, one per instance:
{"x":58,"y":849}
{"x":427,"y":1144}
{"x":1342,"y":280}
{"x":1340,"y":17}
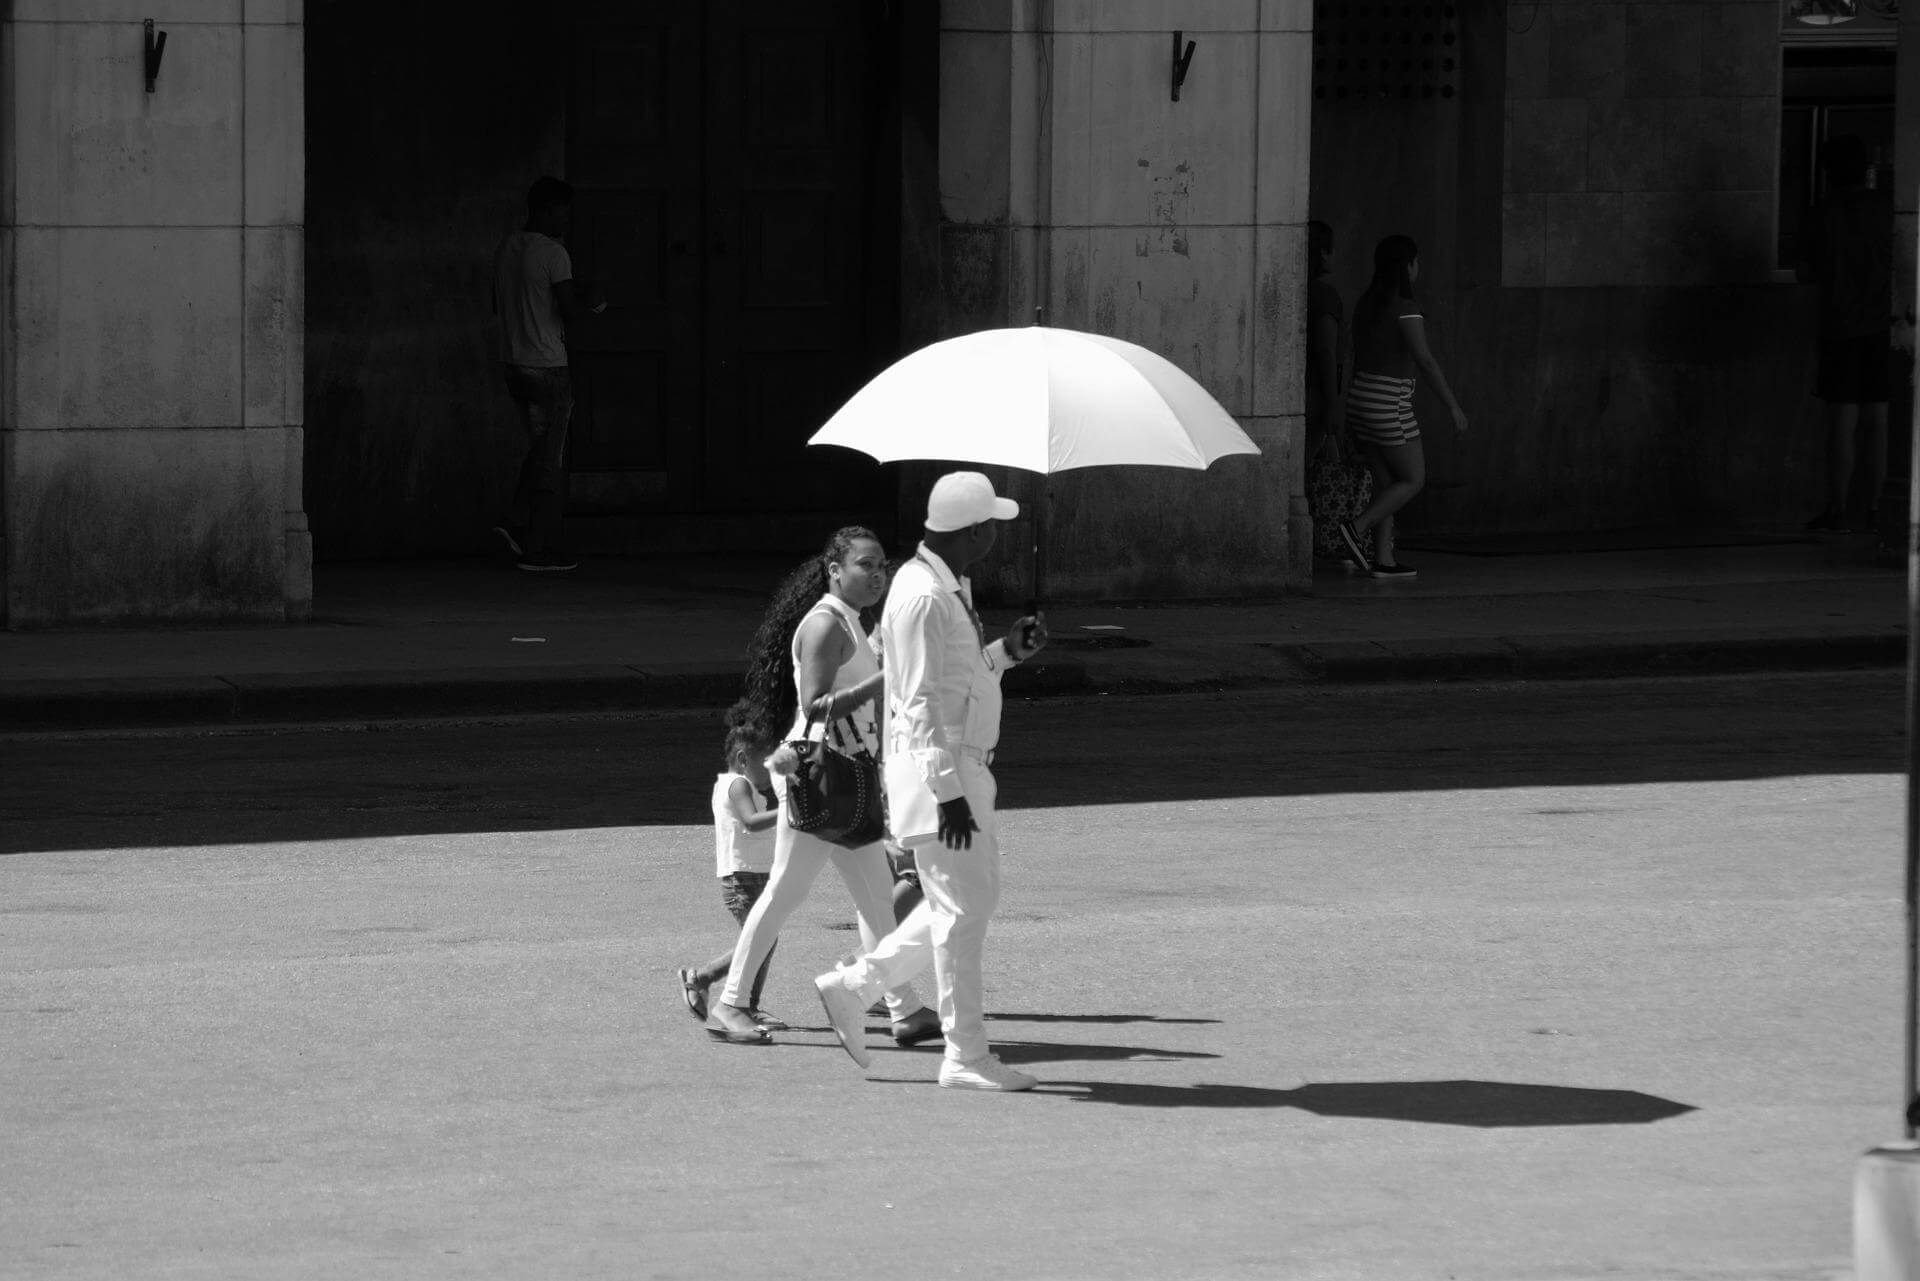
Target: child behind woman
{"x":744,"y":814}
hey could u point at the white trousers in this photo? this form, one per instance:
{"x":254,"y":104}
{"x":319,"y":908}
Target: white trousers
{"x":949,"y":928}
{"x":797,"y":860}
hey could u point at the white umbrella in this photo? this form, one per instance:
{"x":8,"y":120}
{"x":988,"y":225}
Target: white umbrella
{"x":1043,"y":399}
{"x":1046,"y":400}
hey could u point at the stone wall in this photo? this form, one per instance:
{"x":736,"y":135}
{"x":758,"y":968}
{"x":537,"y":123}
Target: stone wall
{"x":1072,"y":182}
{"x":150,"y":343}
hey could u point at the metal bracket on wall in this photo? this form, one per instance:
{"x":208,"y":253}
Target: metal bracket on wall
{"x":1181,"y":61}
{"x":154,"y":48}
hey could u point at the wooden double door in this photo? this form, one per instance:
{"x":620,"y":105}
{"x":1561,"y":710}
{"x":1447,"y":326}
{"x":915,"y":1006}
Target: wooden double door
{"x":737,"y":193}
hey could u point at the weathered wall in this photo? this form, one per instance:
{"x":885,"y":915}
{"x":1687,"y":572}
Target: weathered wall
{"x":1071,"y":181}
{"x":1600,"y":290}
{"x":150,"y":349}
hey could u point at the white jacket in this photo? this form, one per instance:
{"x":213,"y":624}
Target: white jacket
{"x":943,"y":691}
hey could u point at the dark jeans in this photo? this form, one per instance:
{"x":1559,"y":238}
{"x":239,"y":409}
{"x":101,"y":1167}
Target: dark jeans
{"x":740,"y":891}
{"x":545,"y":400}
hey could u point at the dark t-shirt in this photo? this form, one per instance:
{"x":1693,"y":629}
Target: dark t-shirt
{"x":1378,"y":345}
{"x":1851,"y":252}
{"x":1324,"y":300}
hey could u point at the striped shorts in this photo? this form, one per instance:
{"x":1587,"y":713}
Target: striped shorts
{"x":1380,"y":409}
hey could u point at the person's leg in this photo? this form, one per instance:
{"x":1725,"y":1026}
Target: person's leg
{"x":869,"y":879}
{"x":797,"y":860}
{"x":551,"y":412}
{"x":1873,"y":453}
{"x":906,"y":889}
{"x":740,"y":891}
{"x":520,"y":506}
{"x":1399,"y":472}
{"x":963,"y":888}
{"x":1842,"y":417}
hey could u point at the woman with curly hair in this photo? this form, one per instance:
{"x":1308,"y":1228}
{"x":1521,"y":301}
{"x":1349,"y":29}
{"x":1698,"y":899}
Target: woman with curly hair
{"x":812,"y":652}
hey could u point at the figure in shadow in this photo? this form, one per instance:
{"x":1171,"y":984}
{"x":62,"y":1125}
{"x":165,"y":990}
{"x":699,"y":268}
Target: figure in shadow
{"x":1389,"y":347}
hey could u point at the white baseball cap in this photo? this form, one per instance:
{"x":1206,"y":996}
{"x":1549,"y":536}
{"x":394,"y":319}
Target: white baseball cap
{"x":963,"y":498}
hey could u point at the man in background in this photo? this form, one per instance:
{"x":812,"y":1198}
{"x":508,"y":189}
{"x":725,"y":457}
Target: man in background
{"x":534,"y":297}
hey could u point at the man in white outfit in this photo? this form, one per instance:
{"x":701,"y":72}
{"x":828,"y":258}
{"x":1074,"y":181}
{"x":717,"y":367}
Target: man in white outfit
{"x":943,"y":723}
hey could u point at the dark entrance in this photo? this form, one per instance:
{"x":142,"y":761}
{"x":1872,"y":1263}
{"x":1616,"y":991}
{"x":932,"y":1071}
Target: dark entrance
{"x":739,"y":176}
{"x":738,"y":180}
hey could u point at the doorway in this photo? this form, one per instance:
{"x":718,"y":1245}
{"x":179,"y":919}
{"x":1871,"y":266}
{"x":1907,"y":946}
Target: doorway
{"x":737,"y":177}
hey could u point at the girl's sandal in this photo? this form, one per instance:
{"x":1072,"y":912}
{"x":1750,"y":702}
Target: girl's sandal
{"x":694,"y":993}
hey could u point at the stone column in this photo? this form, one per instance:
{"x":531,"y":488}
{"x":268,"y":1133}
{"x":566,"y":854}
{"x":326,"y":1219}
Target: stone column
{"x":151,"y":336}
{"x":1071,"y":180}
{"x":1906,"y":171}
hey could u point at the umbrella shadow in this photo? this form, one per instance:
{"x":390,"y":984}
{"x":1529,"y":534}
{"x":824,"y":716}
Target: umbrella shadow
{"x":1482,"y":1104}
{"x":1093,"y":1018}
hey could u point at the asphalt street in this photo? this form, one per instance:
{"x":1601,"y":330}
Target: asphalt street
{"x":1477,"y":981}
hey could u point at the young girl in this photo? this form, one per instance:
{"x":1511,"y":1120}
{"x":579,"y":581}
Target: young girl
{"x":1389,"y":346}
{"x":743,"y":822}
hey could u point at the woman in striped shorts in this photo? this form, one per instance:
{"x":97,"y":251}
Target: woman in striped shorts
{"x":1389,"y":345}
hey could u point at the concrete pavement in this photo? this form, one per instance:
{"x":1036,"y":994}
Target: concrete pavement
{"x":1462,"y":982}
{"x":478,"y":637}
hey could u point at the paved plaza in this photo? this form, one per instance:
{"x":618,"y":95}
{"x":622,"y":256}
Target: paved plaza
{"x":1575,"y":981}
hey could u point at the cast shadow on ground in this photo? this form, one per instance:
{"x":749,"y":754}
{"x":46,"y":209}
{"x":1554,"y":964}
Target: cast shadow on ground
{"x":1093,"y":1018}
{"x":402,"y":779}
{"x":1055,"y":1052}
{"x":1484,"y":1104}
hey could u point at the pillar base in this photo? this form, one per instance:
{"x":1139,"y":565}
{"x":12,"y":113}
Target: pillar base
{"x":1886,"y":1214}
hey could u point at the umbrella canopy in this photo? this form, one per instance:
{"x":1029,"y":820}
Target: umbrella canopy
{"x":1043,"y":399}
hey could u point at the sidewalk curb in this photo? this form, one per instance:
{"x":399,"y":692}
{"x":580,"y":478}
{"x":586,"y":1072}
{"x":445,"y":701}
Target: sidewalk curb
{"x":1577,"y":655}
{"x":270,"y":697}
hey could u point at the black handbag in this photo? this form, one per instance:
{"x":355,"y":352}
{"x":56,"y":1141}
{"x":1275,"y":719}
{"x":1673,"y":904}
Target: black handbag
{"x":835,"y":796}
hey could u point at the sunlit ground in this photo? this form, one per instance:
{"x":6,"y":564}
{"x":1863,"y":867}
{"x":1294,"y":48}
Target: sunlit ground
{"x":1633,"y":1030}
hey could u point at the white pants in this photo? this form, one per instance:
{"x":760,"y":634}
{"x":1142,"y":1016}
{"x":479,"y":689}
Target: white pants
{"x":797,"y":860}
{"x":949,"y":928}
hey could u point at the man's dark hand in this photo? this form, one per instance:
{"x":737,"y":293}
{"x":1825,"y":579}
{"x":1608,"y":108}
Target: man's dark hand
{"x":956,"y":824}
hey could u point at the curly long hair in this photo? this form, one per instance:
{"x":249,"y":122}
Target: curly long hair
{"x":769,"y":701}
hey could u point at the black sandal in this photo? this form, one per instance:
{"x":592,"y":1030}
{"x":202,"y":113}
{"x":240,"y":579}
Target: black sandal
{"x":694,"y":993}
{"x":734,"y":1026}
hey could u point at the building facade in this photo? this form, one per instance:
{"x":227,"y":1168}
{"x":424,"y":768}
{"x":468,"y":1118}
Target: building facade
{"x":246,"y":316}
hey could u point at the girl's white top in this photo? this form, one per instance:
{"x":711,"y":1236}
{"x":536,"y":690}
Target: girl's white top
{"x":865,"y":722}
{"x":735,"y":849}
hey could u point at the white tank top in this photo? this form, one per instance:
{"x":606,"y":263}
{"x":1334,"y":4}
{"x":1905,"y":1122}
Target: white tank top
{"x":865,"y":722}
{"x":735,"y":849}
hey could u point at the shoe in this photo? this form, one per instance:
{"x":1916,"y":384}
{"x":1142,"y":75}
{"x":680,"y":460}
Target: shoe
{"x":1399,"y":569}
{"x":547,"y":562}
{"x":1352,"y":540}
{"x":694,"y":992}
{"x":987,"y":1073}
{"x":878,"y":1010}
{"x":843,"y":1011}
{"x":921,"y":1025}
{"x":732,"y":1024}
{"x":511,"y":537}
{"x":1828,"y":523}
{"x":767,"y":1021}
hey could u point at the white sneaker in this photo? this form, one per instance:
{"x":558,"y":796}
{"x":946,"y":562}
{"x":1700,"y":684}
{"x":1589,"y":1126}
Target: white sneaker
{"x":846,"y":1014}
{"x":987,"y":1073}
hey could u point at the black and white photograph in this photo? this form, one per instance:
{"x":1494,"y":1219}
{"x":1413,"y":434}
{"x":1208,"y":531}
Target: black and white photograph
{"x":1142,"y":639}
